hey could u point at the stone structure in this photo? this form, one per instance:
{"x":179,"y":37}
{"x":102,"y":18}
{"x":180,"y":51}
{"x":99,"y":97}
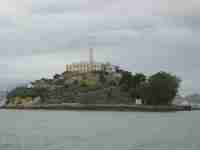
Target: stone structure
{"x":89,"y":66}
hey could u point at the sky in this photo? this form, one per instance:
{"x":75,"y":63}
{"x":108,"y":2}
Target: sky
{"x":39,"y":37}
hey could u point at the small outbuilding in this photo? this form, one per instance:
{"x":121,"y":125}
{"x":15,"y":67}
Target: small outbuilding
{"x":138,"y":101}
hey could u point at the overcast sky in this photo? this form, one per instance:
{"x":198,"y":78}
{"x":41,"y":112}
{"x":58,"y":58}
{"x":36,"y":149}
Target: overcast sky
{"x":38,"y":37}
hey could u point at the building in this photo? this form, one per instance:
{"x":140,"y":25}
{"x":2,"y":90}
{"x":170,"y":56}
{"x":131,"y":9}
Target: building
{"x":185,"y":103}
{"x":138,"y":101}
{"x":89,"y":66}
{"x":181,"y":101}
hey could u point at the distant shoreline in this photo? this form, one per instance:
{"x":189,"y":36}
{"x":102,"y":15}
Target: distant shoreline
{"x":102,"y":107}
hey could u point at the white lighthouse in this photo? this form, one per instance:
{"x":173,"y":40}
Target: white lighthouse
{"x":91,"y":59}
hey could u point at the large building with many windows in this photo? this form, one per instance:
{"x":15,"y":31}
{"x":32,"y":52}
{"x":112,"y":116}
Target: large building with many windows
{"x":89,"y":66}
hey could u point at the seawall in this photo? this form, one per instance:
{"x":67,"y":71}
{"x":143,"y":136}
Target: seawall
{"x":103,"y":107}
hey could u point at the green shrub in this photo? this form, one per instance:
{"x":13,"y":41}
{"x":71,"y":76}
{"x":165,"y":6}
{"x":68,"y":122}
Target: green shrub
{"x":88,"y":83}
{"x":22,"y":92}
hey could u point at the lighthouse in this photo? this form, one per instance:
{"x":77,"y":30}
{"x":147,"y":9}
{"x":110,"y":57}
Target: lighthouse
{"x":91,"y":57}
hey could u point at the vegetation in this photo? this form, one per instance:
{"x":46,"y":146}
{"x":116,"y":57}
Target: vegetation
{"x":27,"y":93}
{"x":159,"y":89}
{"x":102,"y":77}
{"x":87,"y":83}
{"x":101,"y":87}
{"x":22,"y":92}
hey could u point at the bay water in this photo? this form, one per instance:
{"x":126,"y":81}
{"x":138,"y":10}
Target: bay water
{"x":98,"y":130}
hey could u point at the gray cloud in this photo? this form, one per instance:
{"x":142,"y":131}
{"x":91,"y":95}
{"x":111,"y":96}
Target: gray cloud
{"x":119,"y":7}
{"x":141,"y":36}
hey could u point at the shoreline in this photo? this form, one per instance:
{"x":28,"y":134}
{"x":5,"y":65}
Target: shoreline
{"x":102,"y":107}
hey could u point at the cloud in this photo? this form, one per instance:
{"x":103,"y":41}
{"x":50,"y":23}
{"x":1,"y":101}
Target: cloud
{"x":14,"y":13}
{"x":39,"y":37}
{"x":120,"y":7}
{"x":180,"y":7}
{"x":15,"y":7}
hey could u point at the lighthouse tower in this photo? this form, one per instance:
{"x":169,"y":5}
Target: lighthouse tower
{"x":91,"y":59}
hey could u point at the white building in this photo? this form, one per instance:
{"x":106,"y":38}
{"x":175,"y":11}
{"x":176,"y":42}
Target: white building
{"x":185,"y":103}
{"x":89,"y":66}
{"x":138,"y":101}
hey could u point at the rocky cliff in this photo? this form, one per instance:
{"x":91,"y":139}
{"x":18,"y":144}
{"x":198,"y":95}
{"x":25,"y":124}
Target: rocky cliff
{"x":84,"y":88}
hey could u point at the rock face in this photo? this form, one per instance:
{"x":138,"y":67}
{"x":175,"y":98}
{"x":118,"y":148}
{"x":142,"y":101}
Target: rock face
{"x":112,"y":95}
{"x":70,"y":87}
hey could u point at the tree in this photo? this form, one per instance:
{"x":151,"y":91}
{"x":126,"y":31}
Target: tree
{"x":22,"y":92}
{"x":126,"y":80}
{"x":136,"y":92}
{"x":137,"y":79}
{"x":160,"y":89}
{"x":102,"y":78}
{"x":131,"y":83}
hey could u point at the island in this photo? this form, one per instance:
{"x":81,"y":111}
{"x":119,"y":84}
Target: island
{"x":98,"y":86}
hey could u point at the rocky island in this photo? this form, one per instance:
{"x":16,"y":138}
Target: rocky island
{"x":98,"y":86}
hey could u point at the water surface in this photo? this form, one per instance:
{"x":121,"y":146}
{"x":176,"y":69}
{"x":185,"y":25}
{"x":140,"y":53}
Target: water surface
{"x":96,"y":130}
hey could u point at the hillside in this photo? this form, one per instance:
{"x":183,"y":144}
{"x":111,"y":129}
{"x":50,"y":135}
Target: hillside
{"x":69,"y":87}
{"x":98,"y":87}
